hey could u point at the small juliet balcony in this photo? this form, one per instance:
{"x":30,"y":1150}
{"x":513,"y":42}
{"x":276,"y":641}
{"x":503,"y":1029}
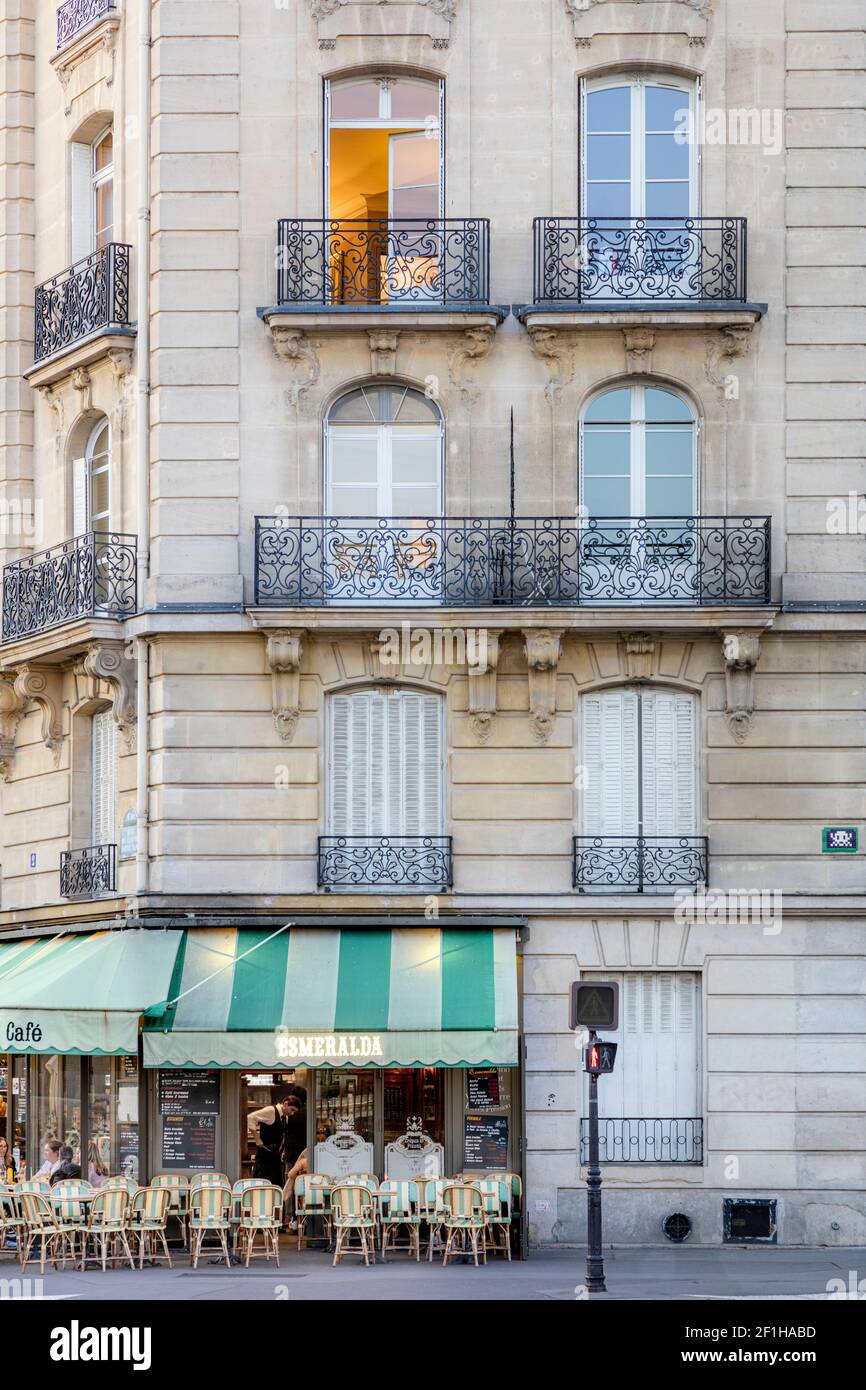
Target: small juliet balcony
{"x":82,"y":313}
{"x":88,"y":873}
{"x":76,"y":17}
{"x":646,"y":1140}
{"x":640,"y":863}
{"x":90,"y":577}
{"x":385,"y":863}
{"x":598,"y":272}
{"x":524,"y":562}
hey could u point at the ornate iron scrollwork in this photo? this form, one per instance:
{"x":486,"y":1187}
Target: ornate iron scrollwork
{"x":639,"y":863}
{"x":420,"y":862}
{"x":87,"y":296}
{"x":75,"y":16}
{"x":93,"y":575}
{"x":87,"y":873}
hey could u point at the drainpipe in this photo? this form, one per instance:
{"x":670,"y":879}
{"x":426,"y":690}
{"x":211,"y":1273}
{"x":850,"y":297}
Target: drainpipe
{"x":143,"y":439}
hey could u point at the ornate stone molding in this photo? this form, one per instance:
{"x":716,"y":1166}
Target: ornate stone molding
{"x":11,"y":712}
{"x":543,"y":648}
{"x":741,"y":652}
{"x":554,"y":350}
{"x":284,"y":650}
{"x":689,"y":18}
{"x":482,"y":686}
{"x":723,"y":348}
{"x":383,"y":351}
{"x":299,"y":351}
{"x":42,"y":685}
{"x":473,"y":347}
{"x":640,"y":650}
{"x":108,"y":662}
{"x":98,"y":39}
{"x":383,"y":18}
{"x":639,"y":344}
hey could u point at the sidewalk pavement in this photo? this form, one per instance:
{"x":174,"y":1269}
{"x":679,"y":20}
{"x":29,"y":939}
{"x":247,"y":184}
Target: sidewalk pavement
{"x":687,"y":1273}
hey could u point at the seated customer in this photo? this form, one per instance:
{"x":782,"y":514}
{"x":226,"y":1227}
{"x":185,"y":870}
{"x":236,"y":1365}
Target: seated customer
{"x":66,"y":1168}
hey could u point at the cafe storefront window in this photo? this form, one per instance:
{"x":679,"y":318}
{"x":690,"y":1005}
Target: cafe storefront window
{"x":113,"y":1120}
{"x":58,"y":1108}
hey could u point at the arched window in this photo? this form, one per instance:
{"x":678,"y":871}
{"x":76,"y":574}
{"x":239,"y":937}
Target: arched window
{"x":638,"y":453}
{"x":384,"y":148}
{"x":103,"y":765}
{"x":639,"y":754}
{"x":92,"y":194}
{"x":91,"y":482}
{"x":639,"y":156}
{"x":383,"y":454}
{"x":385,"y":763}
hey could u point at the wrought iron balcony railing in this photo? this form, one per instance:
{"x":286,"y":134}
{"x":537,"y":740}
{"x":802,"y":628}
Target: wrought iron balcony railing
{"x":640,"y":863}
{"x":646,"y":1140}
{"x":88,"y":296}
{"x":92,"y":576}
{"x":416,"y":261}
{"x":75,"y":16}
{"x":87,"y":873}
{"x":416,"y":862}
{"x":655,"y":260}
{"x":531,"y":562}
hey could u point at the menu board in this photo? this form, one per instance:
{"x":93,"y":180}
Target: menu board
{"x":189,"y":1092}
{"x":189,"y":1103}
{"x":127,"y":1140}
{"x":485,"y":1141}
{"x":483,"y":1088}
{"x":189,"y":1141}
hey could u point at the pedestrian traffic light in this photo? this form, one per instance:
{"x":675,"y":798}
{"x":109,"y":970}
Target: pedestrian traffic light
{"x":594,"y":1004}
{"x":599,"y":1057}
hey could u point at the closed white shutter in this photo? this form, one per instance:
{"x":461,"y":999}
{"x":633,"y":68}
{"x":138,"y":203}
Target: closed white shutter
{"x":385,"y":763}
{"x":657,"y":1073}
{"x":81,"y":201}
{"x":609,"y":752}
{"x":668,"y":757}
{"x":79,"y":497}
{"x":104,"y":768}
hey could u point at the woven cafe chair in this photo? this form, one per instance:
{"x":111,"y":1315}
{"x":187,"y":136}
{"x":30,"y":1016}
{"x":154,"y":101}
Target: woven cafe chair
{"x":464,"y":1222}
{"x":41,"y":1224}
{"x":210,"y":1208}
{"x":261,"y":1209}
{"x":400,"y":1207}
{"x":496,"y":1199}
{"x":107,"y":1227}
{"x":148,"y":1222}
{"x":312,"y":1202}
{"x":353,"y":1213}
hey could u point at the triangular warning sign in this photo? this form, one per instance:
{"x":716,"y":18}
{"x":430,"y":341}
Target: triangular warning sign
{"x":594,"y":1007}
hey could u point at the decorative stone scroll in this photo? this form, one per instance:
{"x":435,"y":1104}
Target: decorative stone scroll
{"x":640,"y":648}
{"x":482,"y":686}
{"x":284,"y":650}
{"x":43,"y":685}
{"x":109,"y":662}
{"x":543,"y":648}
{"x":639,"y":344}
{"x":11,"y":714}
{"x":741,"y":651}
{"x":344,"y":1153}
{"x":554,"y":350}
{"x":338,"y":19}
{"x":471,"y":350}
{"x":299,"y":352}
{"x":592,"y":18}
{"x":414,"y":1154}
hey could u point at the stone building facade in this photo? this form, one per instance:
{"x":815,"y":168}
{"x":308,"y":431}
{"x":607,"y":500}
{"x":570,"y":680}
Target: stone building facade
{"x":624,"y":445}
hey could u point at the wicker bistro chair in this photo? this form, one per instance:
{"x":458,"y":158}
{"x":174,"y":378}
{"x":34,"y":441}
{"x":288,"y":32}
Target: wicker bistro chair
{"x":11,"y":1224}
{"x":353,"y":1212}
{"x":516,"y":1185}
{"x":496,"y":1200}
{"x":238,"y":1188}
{"x":41,"y":1224}
{"x":33,"y":1185}
{"x":464,"y":1221}
{"x":148,"y":1222}
{"x":66,"y":1199}
{"x":261,"y":1210}
{"x":433,"y":1212}
{"x":128,"y":1185}
{"x":108,"y":1226}
{"x":210,"y":1206}
{"x":312,"y":1202}
{"x":177,"y":1185}
{"x":400,"y":1206}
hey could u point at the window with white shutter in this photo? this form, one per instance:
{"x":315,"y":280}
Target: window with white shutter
{"x":104,"y":779}
{"x":650,"y":1105}
{"x":639,"y":751}
{"x":385,"y":763}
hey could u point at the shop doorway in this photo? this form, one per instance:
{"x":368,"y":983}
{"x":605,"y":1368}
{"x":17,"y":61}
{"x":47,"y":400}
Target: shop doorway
{"x":274,"y":1124}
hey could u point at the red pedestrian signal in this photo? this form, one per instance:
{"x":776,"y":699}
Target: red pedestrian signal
{"x":599,"y":1057}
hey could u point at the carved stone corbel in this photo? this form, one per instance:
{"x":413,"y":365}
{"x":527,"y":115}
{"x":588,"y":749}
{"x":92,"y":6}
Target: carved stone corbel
{"x":383,"y":649}
{"x":383,"y":351}
{"x":107,"y":661}
{"x":299,"y":351}
{"x":11,"y":711}
{"x":543,"y":648}
{"x":690,"y":18}
{"x":553,"y":349}
{"x":482,"y":684}
{"x":473,"y":347}
{"x":639,"y":344}
{"x":42,"y":684}
{"x":83,"y":384}
{"x":284,"y":651}
{"x":723,"y":348}
{"x":741,"y":651}
{"x":640,"y":650}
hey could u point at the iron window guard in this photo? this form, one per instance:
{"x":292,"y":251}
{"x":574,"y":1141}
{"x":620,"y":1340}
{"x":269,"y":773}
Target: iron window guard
{"x":90,"y":295}
{"x":417,"y":862}
{"x":639,"y":863}
{"x":90,"y":576}
{"x":74,"y":16}
{"x":87,"y":873}
{"x":646,"y":1140}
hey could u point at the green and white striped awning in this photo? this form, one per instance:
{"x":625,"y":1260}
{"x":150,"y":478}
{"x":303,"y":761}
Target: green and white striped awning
{"x":82,"y":993}
{"x":413,"y":996}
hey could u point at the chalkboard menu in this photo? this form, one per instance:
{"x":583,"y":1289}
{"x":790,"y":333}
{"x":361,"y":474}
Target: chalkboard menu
{"x":189,"y":1103}
{"x":189,"y":1092}
{"x":485,"y":1141}
{"x":482,"y":1084}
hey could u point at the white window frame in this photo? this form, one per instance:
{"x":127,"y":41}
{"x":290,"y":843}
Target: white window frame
{"x":103,"y":801}
{"x":383,"y":430}
{"x":83,"y":473}
{"x":384,"y":121}
{"x":637,"y":441}
{"x":98,"y":179}
{"x":638,"y":82}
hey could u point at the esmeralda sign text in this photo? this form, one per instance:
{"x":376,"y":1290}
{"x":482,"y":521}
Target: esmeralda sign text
{"x":328,"y":1044}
